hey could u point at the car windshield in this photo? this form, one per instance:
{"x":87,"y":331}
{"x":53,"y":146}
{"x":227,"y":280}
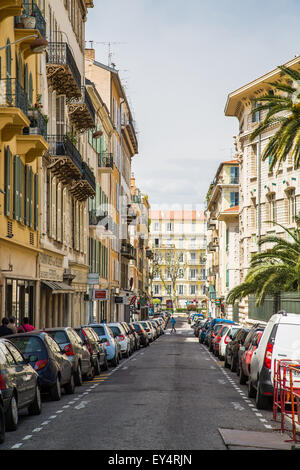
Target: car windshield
{"x":234,"y":330}
{"x":137,"y":327}
{"x":116,"y":330}
{"x":59,"y":336}
{"x":99,"y":330}
{"x":30,"y":345}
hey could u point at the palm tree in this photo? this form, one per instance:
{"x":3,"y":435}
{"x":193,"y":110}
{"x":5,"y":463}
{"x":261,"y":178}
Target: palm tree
{"x":272,"y":271}
{"x":284,"y":98}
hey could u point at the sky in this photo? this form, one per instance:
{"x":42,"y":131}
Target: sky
{"x":179,"y":60}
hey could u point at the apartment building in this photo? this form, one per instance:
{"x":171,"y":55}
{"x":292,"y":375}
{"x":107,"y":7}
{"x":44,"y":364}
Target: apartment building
{"x":124,"y":146}
{"x":265,"y":196}
{"x":178,"y":242}
{"x":67,"y":176}
{"x":139,"y":267}
{"x":222,"y":237}
{"x":22,"y":144}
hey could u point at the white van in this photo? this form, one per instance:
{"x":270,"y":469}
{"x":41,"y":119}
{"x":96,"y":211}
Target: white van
{"x":280,"y":340}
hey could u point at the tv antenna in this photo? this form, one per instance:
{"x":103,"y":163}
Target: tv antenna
{"x":109,"y":45}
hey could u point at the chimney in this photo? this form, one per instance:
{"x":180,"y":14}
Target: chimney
{"x":90,"y":54}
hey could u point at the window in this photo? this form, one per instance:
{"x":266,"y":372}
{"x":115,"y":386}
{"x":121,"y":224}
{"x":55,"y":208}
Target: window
{"x":234,"y":199}
{"x":193,"y":290}
{"x":169,"y":227}
{"x":193,"y":273}
{"x":156,"y":226}
{"x":227,"y":238}
{"x":272,"y":208}
{"x":291,"y":206}
{"x":234,"y":175}
{"x":156,"y":289}
{"x":256,"y":115}
{"x":180,"y":289}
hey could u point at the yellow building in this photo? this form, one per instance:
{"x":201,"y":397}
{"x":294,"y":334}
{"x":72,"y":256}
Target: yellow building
{"x":22,"y":143}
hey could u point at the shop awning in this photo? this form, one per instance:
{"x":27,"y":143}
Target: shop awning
{"x":59,"y":287}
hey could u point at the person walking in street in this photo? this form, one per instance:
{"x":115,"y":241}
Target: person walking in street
{"x":25,"y":326}
{"x":12,"y":324}
{"x":173,"y":321}
{"x":4,"y":330}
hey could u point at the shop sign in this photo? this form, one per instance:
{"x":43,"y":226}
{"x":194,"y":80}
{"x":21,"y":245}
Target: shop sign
{"x":51,"y":267}
{"x":100,"y":294}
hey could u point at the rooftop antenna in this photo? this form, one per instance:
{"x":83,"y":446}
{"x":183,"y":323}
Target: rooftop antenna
{"x":110,"y":54}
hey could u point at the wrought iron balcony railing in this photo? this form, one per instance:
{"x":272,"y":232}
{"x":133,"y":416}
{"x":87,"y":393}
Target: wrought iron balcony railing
{"x":38,"y":123}
{"x":88,"y":175}
{"x":105,"y":160}
{"x":62,"y":146}
{"x":13,"y":94}
{"x":32,"y":10}
{"x":62,"y":70}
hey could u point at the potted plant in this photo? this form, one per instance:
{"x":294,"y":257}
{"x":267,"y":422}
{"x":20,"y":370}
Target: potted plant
{"x":28,"y":21}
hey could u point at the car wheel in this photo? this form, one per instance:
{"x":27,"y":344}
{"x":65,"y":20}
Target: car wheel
{"x":226,"y":365}
{"x":115,"y":361}
{"x":2,"y":425}
{"x":11,"y":415}
{"x":251,"y":389}
{"x":36,"y":406}
{"x":262,"y":402}
{"x":233,"y":364}
{"x":78,"y":376}
{"x":70,"y":387}
{"x":105,"y":365}
{"x":97,"y":367}
{"x":55,"y":391}
{"x":243,"y":377}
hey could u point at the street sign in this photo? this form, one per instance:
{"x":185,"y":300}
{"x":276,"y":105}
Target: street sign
{"x":93,"y":278}
{"x":169,"y":304}
{"x":100,"y":294}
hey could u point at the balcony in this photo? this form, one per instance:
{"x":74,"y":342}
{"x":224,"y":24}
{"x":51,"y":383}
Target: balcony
{"x":95,"y":219}
{"x":62,"y":72}
{"x":82,"y":112}
{"x":128,"y":251}
{"x":65,"y":159}
{"x":38,"y":124}
{"x":105,"y":162}
{"x":149,"y":254}
{"x":129,"y":130}
{"x":32,"y":19}
{"x":9,"y":8}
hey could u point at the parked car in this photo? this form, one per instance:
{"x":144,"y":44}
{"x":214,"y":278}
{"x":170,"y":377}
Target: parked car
{"x":232,"y":348}
{"x":149,"y":330}
{"x":257,"y":326}
{"x":129,"y":335}
{"x":246,"y":356}
{"x":212,"y":335}
{"x":217,"y":339}
{"x":137,"y":343}
{"x":45,"y":356}
{"x":203,"y":331}
{"x":144,"y":338}
{"x":228,"y":335}
{"x":95,"y":347}
{"x":124,"y":338}
{"x":19,"y":384}
{"x":157,"y":328}
{"x":72,"y":345}
{"x":280,"y":340}
{"x":113,"y":348}
{"x":2,"y":419}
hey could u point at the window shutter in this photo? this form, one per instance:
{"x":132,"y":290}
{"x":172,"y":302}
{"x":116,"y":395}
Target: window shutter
{"x":85,"y":230}
{"x":21,"y":190}
{"x":53,"y":206}
{"x":7,"y":183}
{"x":59,"y":213}
{"x":16,"y":189}
{"x":30,"y":197}
{"x":36,"y":201}
{"x":64,"y":210}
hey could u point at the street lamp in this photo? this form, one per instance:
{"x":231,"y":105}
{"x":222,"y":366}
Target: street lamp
{"x":39,"y":45}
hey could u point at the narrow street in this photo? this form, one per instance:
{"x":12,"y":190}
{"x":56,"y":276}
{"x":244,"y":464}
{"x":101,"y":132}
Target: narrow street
{"x":172,"y":395}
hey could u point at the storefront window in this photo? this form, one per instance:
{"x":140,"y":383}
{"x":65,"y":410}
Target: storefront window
{"x":20,"y":297}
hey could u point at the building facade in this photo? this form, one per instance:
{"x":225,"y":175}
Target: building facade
{"x":178,"y":242}
{"x":223,"y":237}
{"x":265,"y":196}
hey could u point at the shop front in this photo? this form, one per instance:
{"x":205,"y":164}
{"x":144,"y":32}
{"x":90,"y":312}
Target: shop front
{"x":79,"y":313}
{"x":18,"y":282}
{"x":56,"y":295}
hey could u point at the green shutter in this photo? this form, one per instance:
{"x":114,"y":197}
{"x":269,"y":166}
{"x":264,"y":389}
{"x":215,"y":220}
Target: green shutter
{"x":7,"y":163}
{"x":21,"y":187}
{"x":36,"y":201}
{"x":16,"y":189}
{"x":27,"y":195}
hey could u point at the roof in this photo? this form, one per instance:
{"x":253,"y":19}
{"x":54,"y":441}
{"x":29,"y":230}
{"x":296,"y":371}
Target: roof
{"x":232,"y":209}
{"x":183,"y":215}
{"x":230,"y":162}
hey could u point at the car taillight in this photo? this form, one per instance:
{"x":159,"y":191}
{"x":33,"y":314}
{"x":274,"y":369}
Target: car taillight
{"x":69,"y":350}
{"x":121,"y":337}
{"x":41,"y":364}
{"x":2,"y":383}
{"x":218,"y":339}
{"x":268,"y":356}
{"x":147,"y":329}
{"x":107,"y":343}
{"x":226,"y":340}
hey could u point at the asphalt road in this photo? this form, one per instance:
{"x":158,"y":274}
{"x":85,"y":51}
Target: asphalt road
{"x":172,"y":395}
